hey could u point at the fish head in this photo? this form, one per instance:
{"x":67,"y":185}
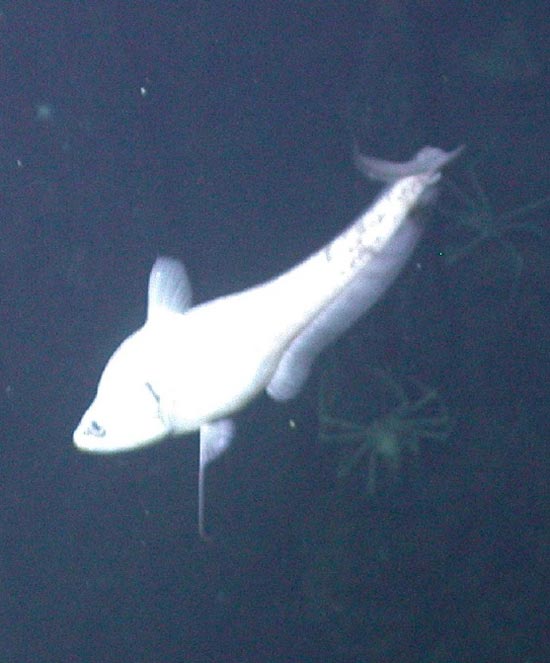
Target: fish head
{"x":126,"y":412}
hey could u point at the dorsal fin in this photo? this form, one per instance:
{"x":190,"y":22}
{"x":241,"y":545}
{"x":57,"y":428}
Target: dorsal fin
{"x":169,"y":288}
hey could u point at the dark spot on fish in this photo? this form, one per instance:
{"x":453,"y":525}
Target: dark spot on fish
{"x":96,"y":430}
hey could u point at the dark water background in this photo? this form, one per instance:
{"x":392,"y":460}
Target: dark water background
{"x":221,"y":133}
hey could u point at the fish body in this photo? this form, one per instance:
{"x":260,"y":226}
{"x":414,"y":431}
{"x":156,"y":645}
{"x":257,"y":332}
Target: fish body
{"x":190,"y":368}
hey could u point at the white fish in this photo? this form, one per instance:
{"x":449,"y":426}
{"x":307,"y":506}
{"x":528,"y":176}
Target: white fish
{"x":190,"y":368}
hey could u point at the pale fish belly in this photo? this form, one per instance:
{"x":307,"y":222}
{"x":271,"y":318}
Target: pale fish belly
{"x":339,"y":283}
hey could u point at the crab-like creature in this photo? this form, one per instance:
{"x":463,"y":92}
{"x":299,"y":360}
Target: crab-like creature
{"x":415,"y":414}
{"x":476,"y":215}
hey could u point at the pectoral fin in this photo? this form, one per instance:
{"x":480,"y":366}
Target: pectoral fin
{"x":215,"y":438}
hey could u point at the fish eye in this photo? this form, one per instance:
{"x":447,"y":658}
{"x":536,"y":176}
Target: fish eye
{"x":96,"y":430}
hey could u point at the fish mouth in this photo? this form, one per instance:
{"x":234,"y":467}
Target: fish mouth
{"x":91,"y":444}
{"x":92,"y":439}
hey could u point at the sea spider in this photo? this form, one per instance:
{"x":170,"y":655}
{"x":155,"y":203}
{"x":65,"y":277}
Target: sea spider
{"x":415,"y":413}
{"x":476,"y":215}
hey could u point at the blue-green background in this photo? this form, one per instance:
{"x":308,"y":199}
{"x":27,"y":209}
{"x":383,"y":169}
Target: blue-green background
{"x":222,"y":133}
